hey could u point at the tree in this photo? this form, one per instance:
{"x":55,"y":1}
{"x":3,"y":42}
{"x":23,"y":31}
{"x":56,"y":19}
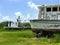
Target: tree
{"x":5,"y":23}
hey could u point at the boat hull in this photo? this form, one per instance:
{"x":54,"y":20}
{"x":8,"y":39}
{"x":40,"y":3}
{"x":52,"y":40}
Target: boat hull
{"x":46,"y":25}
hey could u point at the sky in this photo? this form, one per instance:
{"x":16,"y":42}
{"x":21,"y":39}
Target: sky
{"x":26,"y":9}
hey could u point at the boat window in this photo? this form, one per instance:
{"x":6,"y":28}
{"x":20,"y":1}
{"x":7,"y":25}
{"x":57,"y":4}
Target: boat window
{"x":48,"y":9}
{"x":54,"y":9}
{"x":59,"y":8}
{"x":58,"y":17}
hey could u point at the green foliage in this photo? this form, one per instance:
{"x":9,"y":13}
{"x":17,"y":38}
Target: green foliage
{"x":26,"y":37}
{"x":5,"y":23}
{"x":56,"y":38}
{"x":20,"y":34}
{"x":26,"y":25}
{"x":17,"y":33}
{"x":2,"y":24}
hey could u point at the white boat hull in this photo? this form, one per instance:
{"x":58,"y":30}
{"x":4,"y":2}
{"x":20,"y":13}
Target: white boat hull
{"x":45,"y":24}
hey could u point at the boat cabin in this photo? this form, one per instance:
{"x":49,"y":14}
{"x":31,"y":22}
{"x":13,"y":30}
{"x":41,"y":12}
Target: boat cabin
{"x":51,"y":12}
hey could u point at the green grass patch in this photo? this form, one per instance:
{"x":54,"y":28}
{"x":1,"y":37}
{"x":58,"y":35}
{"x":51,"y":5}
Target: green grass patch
{"x":26,"y":37}
{"x":26,"y":34}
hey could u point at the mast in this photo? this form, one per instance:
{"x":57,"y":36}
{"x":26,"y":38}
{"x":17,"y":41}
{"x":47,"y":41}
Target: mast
{"x":18,"y":21}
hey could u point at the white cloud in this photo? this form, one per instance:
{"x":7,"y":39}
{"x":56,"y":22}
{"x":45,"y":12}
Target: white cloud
{"x":28,"y":17}
{"x":24,"y":18}
{"x":0,"y":14}
{"x":32,"y":5}
{"x":18,"y":14}
{"x":6,"y":18}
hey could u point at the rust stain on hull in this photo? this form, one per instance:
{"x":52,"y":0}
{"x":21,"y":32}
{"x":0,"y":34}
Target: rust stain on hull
{"x":51,"y":30}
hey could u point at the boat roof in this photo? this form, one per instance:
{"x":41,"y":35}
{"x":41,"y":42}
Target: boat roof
{"x":41,"y":6}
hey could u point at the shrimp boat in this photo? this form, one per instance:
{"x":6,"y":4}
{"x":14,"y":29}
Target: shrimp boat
{"x":48,"y":20}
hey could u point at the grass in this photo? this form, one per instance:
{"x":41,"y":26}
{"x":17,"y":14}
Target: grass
{"x":26,"y":37}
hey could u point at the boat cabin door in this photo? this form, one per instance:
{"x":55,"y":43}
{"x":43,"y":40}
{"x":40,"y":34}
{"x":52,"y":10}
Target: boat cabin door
{"x":58,"y":17}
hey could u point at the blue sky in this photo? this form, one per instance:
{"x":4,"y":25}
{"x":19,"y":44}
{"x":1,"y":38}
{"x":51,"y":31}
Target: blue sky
{"x":26,"y":9}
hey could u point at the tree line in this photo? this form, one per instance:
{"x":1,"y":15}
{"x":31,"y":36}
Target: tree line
{"x":5,"y":24}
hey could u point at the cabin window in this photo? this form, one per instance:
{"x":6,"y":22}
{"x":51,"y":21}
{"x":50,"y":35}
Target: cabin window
{"x":54,"y":9}
{"x":48,"y":9}
{"x":59,"y":8}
